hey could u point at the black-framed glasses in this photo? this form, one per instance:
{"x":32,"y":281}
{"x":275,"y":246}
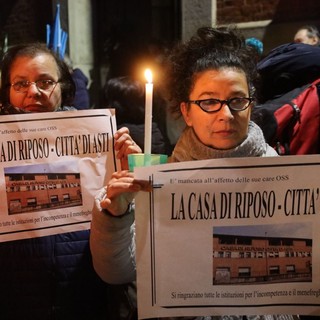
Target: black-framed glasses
{"x":214,"y":105}
{"x":23,"y":86}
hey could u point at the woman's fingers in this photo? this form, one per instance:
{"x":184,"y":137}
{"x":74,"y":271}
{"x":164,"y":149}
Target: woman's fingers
{"x":125,"y":145}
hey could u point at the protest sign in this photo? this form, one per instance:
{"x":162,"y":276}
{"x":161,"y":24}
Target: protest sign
{"x":229,"y":237}
{"x":51,"y":166}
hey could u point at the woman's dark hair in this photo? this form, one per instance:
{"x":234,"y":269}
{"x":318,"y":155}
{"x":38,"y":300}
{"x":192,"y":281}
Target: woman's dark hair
{"x":32,"y":50}
{"x":209,"y":49}
{"x":127,"y":96}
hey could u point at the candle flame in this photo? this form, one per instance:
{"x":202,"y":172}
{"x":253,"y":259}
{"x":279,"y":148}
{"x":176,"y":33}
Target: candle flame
{"x":148,"y":75}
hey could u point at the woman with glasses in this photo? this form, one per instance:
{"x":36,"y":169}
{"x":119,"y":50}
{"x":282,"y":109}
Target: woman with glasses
{"x":210,"y":83}
{"x":34,"y":79}
{"x":47,"y":277}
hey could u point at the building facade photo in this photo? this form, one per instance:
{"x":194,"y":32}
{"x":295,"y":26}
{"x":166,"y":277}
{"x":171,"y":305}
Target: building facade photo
{"x":241,"y":259}
{"x":42,"y":191}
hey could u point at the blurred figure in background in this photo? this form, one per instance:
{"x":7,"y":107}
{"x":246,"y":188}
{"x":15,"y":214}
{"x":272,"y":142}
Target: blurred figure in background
{"x":127,"y":96}
{"x":288,"y":66}
{"x":308,"y":34}
{"x":81,"y":99}
{"x":257,"y":45}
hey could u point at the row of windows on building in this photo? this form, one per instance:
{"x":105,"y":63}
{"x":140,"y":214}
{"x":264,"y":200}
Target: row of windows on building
{"x":242,"y":240}
{"x":53,"y":198}
{"x":261,"y":254}
{"x":49,"y":176}
{"x":272,"y":270}
{"x":34,"y":187}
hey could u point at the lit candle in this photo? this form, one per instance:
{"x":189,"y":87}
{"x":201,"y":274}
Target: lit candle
{"x":148,"y":113}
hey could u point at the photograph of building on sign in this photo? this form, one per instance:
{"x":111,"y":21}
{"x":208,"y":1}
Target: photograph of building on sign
{"x":42,"y":187}
{"x":262,"y":254}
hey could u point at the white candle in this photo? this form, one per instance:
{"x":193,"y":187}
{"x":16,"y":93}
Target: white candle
{"x":148,"y":113}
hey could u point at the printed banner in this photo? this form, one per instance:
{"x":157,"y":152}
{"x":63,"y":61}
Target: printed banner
{"x":229,"y":237}
{"x":51,"y":167}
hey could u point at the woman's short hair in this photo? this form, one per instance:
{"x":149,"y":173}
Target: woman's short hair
{"x":32,"y":50}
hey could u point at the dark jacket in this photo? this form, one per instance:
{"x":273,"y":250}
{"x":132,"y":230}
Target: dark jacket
{"x":51,"y":277}
{"x":82,"y":99}
{"x":286,"y":67}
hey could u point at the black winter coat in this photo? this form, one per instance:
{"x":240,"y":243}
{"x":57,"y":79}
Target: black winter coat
{"x":50,"y":278}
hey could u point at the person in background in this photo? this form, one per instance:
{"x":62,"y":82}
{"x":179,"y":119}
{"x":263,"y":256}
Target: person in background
{"x":48,"y":277}
{"x":127,"y":96}
{"x":210,"y":81}
{"x":308,"y":34}
{"x":81,"y":100}
{"x":257,"y":45}
{"x":286,"y":67}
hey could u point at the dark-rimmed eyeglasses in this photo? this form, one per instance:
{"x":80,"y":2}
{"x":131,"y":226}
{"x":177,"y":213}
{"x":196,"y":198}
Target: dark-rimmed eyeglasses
{"x":42,"y":85}
{"x":214,"y":105}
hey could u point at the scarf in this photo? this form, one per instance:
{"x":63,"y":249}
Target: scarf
{"x":189,"y":147}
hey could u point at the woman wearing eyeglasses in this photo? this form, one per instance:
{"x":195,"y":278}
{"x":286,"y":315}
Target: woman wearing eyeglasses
{"x":34,"y":79}
{"x":210,"y":83}
{"x":212,"y":80}
{"x":47,"y":277}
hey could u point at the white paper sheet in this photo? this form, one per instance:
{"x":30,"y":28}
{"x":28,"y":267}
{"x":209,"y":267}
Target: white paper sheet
{"x":231,"y":236}
{"x":51,"y":166}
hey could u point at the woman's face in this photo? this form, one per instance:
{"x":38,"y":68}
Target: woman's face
{"x":33,"y":99}
{"x":223,"y":129}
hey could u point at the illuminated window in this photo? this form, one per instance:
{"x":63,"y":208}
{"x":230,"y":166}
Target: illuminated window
{"x":291,"y":268}
{"x":54,"y":198}
{"x":244,"y":272}
{"x":31,"y":202}
{"x":66,"y":196}
{"x":274,"y":270}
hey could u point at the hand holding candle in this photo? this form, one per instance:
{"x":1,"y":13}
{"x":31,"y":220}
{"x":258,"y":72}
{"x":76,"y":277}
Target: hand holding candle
{"x":148,"y":113}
